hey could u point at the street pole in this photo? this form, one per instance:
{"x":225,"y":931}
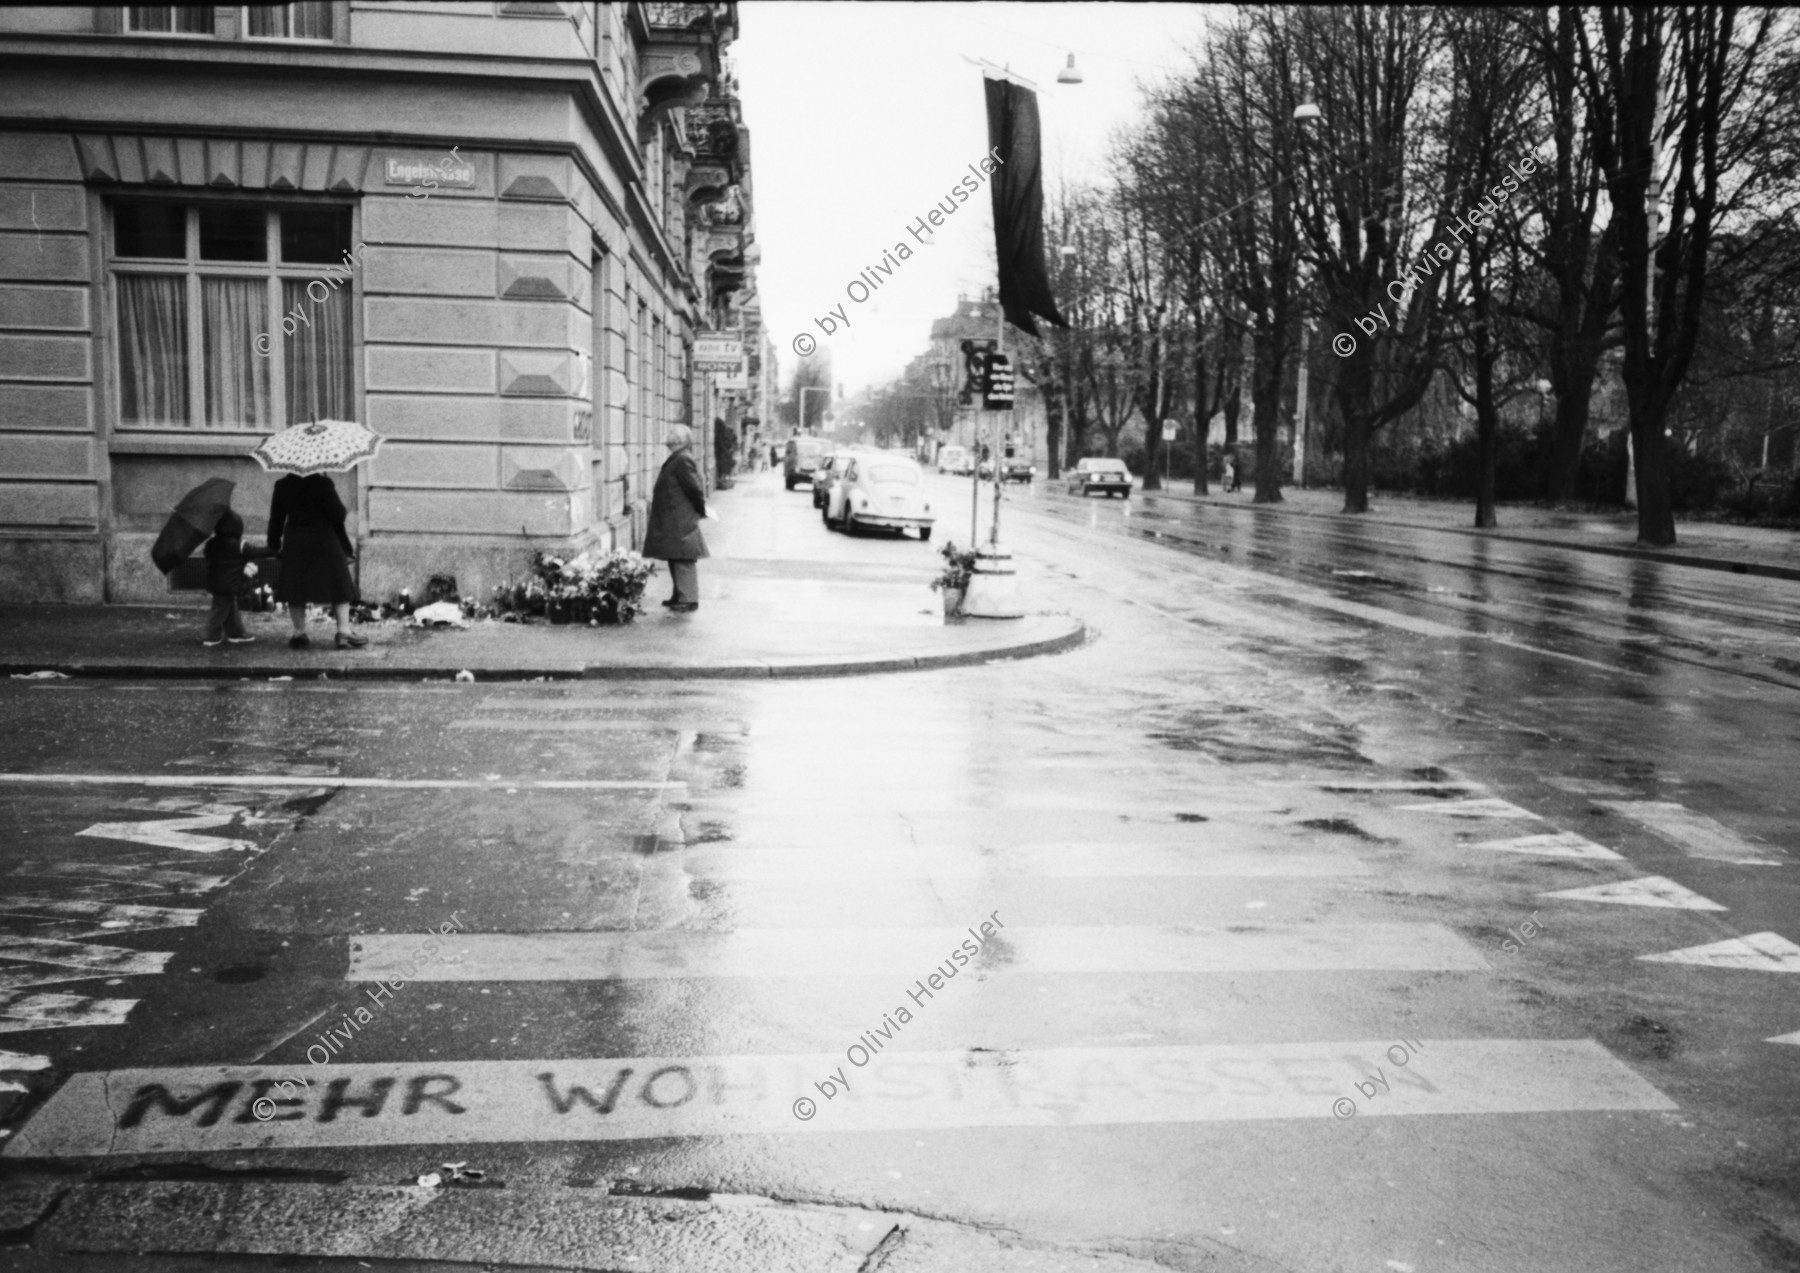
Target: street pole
{"x":1300,"y":411}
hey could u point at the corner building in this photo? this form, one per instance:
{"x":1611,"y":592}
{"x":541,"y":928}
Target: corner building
{"x":491,"y":232}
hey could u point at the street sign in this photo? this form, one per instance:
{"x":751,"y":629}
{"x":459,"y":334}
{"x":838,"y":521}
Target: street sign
{"x":718,"y":353}
{"x":1169,"y":427}
{"x":997,"y":390}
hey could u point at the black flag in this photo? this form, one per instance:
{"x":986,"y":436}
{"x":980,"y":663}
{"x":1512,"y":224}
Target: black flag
{"x":1013,"y":138}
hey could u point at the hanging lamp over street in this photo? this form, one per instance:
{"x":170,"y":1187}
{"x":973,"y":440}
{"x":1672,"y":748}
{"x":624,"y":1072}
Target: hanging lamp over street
{"x":1069,"y":74}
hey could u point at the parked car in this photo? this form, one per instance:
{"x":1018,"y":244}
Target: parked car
{"x":886,"y":491}
{"x":1095,"y":473}
{"x":803,"y":456}
{"x":827,"y":475}
{"x":955,"y":459}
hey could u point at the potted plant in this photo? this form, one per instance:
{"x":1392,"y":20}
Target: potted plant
{"x":953,"y":579}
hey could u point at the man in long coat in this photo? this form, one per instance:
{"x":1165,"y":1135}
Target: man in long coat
{"x":676,"y":506}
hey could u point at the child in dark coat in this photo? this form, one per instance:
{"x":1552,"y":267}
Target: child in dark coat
{"x":228,"y":564}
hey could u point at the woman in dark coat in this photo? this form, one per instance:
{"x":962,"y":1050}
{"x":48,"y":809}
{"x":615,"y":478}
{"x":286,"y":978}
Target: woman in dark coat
{"x":306,"y":530}
{"x":676,"y":507}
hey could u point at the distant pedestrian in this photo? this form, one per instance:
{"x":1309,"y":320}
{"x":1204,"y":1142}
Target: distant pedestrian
{"x":676,"y":506}
{"x":228,"y":565}
{"x":306,"y":530}
{"x":1232,"y":482}
{"x":725,"y":445}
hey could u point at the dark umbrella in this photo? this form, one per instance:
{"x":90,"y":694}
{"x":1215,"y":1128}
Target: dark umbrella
{"x":192,"y":522}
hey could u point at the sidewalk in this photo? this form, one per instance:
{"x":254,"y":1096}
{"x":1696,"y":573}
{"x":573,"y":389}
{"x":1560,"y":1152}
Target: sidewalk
{"x":779,"y":597}
{"x":1743,"y":550}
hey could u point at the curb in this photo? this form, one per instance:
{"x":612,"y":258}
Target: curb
{"x":731,"y":669}
{"x":1663,"y":556}
{"x":868,"y":665}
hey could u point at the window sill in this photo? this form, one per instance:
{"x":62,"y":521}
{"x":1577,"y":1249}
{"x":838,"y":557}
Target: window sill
{"x":186,"y":442}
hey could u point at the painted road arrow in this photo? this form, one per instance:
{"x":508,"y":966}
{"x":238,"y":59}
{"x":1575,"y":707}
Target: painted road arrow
{"x":1762,"y":952}
{"x":172,"y":833}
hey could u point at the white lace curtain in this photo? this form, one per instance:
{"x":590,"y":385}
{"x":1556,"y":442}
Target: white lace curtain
{"x":233,"y":312}
{"x":319,"y":381}
{"x":237,"y":381}
{"x":153,"y":348}
{"x":304,"y":21}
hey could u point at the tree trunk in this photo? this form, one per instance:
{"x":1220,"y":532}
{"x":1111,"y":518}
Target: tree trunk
{"x":1487,"y":426}
{"x":1234,"y":400}
{"x":1265,"y":405}
{"x":1572,"y":380}
{"x":1356,"y":465}
{"x":1656,"y":513}
{"x":1150,"y":407}
{"x":1202,"y":420}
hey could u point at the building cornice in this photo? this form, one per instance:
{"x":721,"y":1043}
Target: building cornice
{"x":615,"y":135}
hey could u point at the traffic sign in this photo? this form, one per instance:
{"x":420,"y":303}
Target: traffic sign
{"x":997,"y":390}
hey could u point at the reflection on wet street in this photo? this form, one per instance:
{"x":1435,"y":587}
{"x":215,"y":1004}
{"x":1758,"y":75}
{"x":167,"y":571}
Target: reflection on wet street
{"x":1114,"y":949}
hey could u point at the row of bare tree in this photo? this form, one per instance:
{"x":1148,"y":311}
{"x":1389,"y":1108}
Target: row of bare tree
{"x":1496,"y":196}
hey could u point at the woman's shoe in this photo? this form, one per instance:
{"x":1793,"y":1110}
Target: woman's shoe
{"x":299,"y":641}
{"x":684,"y":607}
{"x":350,"y":641}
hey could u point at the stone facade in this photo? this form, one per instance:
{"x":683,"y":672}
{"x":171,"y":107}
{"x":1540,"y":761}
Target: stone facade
{"x":527,"y":256}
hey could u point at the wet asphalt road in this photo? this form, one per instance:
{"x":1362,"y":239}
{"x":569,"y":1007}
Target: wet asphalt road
{"x":1287,"y":817}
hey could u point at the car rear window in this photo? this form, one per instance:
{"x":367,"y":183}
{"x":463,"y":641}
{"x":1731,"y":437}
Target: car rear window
{"x":893,"y":473}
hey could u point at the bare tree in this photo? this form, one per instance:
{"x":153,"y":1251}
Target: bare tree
{"x":1365,"y":186}
{"x":1244,"y":98}
{"x":1686,"y":79}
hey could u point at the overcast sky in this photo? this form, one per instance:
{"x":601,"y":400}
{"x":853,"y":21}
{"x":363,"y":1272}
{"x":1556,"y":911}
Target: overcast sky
{"x":862,"y":116}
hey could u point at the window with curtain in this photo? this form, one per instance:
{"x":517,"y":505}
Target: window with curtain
{"x":307,"y":21}
{"x":230,"y":316}
{"x":167,"y":19}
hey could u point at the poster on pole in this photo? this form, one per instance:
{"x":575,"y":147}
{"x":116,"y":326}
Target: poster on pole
{"x":997,"y":391}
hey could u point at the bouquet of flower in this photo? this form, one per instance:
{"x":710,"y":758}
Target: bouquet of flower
{"x":959,"y":568}
{"x":612,"y":583}
{"x":622,"y":577}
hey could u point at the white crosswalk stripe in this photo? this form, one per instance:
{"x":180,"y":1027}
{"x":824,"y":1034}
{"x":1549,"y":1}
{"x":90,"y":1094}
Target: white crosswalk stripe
{"x":772,"y":859}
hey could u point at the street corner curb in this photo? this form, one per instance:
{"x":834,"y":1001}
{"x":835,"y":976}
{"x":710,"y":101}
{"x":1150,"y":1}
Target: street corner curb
{"x":347,"y":671}
{"x":1074,"y":633}
{"x":536,"y":1227}
{"x":718,"y":669}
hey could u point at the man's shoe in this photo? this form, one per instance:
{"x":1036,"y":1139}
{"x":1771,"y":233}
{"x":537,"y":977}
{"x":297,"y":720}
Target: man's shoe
{"x":299,"y":641}
{"x":243,"y":640}
{"x":350,"y":641}
{"x":682,"y":607}
{"x":209,"y":644}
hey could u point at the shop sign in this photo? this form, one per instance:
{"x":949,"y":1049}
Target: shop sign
{"x":718,"y":353}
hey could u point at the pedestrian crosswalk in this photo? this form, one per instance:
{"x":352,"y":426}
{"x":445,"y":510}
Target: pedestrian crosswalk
{"x":65,"y":910}
{"x":920,"y":853}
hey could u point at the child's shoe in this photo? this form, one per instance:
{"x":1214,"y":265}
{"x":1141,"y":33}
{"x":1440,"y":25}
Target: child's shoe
{"x":209,"y":643}
{"x":243,"y":640}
